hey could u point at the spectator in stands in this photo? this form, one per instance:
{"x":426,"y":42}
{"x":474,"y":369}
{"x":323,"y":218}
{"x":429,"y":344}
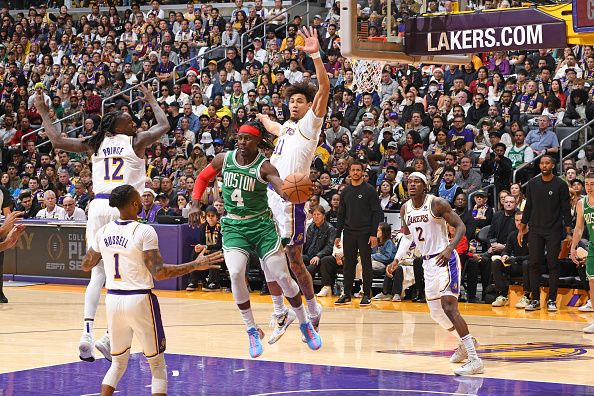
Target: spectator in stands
{"x":318,"y":244}
{"x":209,"y":240}
{"x":501,"y":226}
{"x":459,"y":131}
{"x":383,"y":254}
{"x":150,"y":210}
{"x":579,"y":109}
{"x":497,"y":168}
{"x":71,"y":211}
{"x":467,"y":178}
{"x":52,"y":210}
{"x":543,"y":140}
{"x":447,"y":187}
{"x":588,"y":160}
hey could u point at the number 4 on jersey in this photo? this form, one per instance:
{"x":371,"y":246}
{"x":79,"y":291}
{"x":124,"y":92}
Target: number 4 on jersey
{"x":237,"y":198}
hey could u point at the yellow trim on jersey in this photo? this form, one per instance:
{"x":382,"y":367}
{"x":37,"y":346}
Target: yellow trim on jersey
{"x":120,"y":353}
{"x":154,"y":327}
{"x":301,"y":133}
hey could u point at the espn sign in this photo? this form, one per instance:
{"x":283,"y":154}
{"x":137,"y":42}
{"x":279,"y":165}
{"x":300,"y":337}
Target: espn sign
{"x":583,"y":15}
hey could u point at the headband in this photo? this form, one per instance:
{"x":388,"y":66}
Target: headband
{"x":419,"y":175}
{"x":251,"y":130}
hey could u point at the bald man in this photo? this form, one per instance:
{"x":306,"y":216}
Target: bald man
{"x":51,"y":211}
{"x":72,"y":212}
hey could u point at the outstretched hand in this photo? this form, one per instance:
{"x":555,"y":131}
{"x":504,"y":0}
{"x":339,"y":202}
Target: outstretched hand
{"x":9,"y":222}
{"x":310,"y":35}
{"x":205,"y":262}
{"x":39,"y":103}
{"x":13,"y":236}
{"x":147,"y":93}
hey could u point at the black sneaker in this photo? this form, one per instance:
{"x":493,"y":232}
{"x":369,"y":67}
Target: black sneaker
{"x":342,"y":300}
{"x":552,"y":306}
{"x":211,"y":287}
{"x":3,"y":299}
{"x":264,"y":291}
{"x":474,"y":300}
{"x":365,"y":301}
{"x":192,"y":287}
{"x":533,"y":306}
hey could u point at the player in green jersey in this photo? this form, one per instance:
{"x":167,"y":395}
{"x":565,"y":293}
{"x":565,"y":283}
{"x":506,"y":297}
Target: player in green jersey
{"x":249,"y":226}
{"x":585,"y":216}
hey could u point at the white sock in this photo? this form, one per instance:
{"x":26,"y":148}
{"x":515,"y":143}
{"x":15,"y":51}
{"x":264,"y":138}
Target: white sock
{"x":248,"y":317}
{"x":278,"y":302}
{"x":300,"y":312}
{"x":88,"y":327}
{"x":312,"y":307}
{"x":469,"y":345}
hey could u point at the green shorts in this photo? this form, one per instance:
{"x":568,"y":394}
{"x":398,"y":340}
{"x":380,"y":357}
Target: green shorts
{"x":257,"y":234}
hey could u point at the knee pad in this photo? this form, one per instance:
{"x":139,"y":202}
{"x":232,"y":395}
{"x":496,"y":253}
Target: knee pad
{"x":438,"y":314}
{"x":276,"y":266}
{"x":236,"y":264}
{"x":159,"y":373}
{"x":117,"y":369}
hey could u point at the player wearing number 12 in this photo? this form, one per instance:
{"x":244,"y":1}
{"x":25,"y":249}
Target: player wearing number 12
{"x":117,"y":153}
{"x":249,"y":226}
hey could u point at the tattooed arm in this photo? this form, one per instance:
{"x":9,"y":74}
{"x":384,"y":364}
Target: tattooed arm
{"x":154,"y":262}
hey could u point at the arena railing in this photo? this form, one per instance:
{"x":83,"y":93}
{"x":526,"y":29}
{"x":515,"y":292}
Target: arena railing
{"x":21,"y":144}
{"x":195,"y":58}
{"x":242,"y":38}
{"x":571,"y":135}
{"x":525,"y":165}
{"x":130,"y":89}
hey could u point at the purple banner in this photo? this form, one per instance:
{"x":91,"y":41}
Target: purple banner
{"x":525,"y":29}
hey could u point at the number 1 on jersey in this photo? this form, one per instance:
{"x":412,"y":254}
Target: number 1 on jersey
{"x":116,"y":260}
{"x":115,"y":175}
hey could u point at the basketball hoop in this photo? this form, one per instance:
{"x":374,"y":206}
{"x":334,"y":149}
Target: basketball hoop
{"x":367,"y":75}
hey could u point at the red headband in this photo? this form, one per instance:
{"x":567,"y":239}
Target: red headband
{"x":252,"y":130}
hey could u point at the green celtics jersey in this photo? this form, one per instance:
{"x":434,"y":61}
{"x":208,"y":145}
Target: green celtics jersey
{"x":244,"y":191}
{"x":516,"y":155}
{"x":589,"y":219}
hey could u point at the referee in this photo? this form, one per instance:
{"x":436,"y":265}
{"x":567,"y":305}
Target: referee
{"x":546,"y":214}
{"x":359,"y":215}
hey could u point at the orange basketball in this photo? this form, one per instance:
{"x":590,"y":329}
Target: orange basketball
{"x":297,"y":187}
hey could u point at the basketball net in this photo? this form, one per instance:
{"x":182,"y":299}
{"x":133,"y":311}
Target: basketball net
{"x":367,"y":75}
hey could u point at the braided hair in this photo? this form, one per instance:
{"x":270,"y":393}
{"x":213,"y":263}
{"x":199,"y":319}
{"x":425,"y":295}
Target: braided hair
{"x":106,"y":125}
{"x":121,"y":196}
{"x":267,"y":138}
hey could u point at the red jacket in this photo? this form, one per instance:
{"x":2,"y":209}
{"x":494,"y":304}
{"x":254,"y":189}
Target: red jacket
{"x":93,"y":104}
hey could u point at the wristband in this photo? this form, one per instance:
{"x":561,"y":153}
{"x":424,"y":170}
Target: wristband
{"x":315,"y":55}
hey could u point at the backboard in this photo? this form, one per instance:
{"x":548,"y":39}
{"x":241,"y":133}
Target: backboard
{"x":378,"y":33}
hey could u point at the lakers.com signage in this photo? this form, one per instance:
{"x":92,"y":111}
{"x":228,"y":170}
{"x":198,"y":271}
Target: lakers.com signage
{"x":526,"y":29}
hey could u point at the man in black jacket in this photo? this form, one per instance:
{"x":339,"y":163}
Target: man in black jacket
{"x":497,"y":168}
{"x":502,"y":225}
{"x":359,"y":215}
{"x":548,"y":214}
{"x":318,"y":242}
{"x":513,"y":262}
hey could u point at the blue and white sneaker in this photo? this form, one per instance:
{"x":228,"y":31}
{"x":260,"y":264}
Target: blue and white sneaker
{"x":255,"y":336}
{"x":313,"y":339}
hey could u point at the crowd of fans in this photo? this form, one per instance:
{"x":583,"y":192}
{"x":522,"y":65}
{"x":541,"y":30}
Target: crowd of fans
{"x":465,"y":127}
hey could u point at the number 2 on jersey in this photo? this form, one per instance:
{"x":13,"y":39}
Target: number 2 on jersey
{"x":420,"y":236}
{"x":116,"y":261}
{"x":116,"y":174}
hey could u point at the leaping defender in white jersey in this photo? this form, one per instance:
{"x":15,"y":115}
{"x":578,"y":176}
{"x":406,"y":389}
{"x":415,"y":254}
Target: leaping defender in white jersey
{"x":131,"y":259}
{"x":294,"y":152}
{"x":117,"y":154}
{"x":424,"y":221}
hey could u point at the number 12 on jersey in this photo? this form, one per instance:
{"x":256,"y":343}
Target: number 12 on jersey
{"x":116,"y":175}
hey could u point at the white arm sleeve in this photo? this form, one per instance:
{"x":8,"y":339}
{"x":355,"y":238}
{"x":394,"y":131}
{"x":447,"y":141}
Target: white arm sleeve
{"x":403,"y":246}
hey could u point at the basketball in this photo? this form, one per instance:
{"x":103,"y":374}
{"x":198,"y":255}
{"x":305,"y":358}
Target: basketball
{"x":297,"y":187}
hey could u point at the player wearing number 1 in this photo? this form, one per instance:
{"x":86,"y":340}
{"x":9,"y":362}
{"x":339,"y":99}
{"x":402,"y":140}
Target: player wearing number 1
{"x":294,"y":152}
{"x":249,"y":226}
{"x":117,"y":153}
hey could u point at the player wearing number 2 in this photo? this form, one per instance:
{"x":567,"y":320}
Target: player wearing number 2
{"x":424,"y":221}
{"x":249,"y":226}
{"x":117,"y":153}
{"x":294,"y":152}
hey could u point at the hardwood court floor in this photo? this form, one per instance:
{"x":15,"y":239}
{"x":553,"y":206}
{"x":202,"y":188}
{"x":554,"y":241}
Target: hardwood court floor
{"x":41,"y":327}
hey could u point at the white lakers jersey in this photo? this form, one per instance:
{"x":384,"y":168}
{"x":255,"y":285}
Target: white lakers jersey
{"x":115,"y":164}
{"x":296,"y":145}
{"x":429,"y":232}
{"x":121,"y":244}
